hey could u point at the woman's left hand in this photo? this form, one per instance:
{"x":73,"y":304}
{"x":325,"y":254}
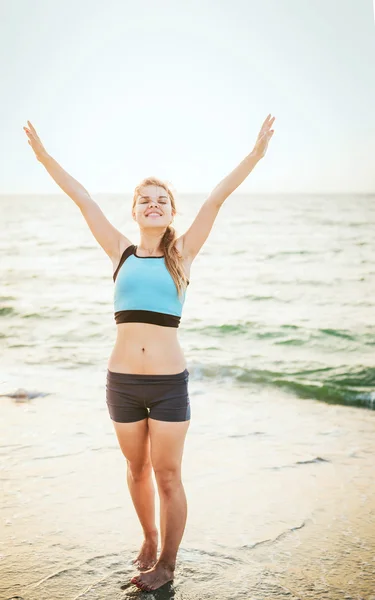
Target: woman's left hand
{"x":264,"y":137}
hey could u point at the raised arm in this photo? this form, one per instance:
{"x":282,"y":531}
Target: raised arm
{"x":199,"y":230}
{"x":104,"y":232}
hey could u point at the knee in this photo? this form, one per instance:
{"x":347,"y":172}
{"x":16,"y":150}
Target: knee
{"x":139,"y":471}
{"x":168,"y":479}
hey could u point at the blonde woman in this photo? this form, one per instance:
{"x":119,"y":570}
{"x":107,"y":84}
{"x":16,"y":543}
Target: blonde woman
{"x":147,"y":378}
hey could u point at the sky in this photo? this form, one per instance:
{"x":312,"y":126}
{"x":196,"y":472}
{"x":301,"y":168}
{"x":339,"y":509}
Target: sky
{"x":119,"y":90}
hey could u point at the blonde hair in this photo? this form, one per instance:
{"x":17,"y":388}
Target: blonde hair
{"x":172,"y":257}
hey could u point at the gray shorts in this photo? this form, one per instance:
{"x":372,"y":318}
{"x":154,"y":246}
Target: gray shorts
{"x":133,"y":397}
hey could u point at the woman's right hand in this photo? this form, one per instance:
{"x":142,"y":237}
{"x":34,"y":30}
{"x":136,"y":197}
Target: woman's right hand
{"x":35,"y":143}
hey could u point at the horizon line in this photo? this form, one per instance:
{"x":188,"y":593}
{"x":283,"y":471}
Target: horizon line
{"x":306,"y":193}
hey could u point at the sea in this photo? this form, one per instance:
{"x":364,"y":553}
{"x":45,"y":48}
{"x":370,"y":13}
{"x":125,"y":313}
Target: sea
{"x":279,"y":337}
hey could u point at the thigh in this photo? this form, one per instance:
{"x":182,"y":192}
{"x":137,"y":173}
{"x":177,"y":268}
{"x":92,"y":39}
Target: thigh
{"x":129,"y":417}
{"x":134,"y":442}
{"x":167,"y":441}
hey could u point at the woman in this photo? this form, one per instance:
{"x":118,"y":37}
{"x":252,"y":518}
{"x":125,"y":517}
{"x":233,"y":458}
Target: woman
{"x":147,"y":378}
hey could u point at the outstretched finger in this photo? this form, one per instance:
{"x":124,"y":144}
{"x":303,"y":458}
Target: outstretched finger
{"x":265,"y":122}
{"x":28,"y":132}
{"x":32,"y":128}
{"x":30,"y":125}
{"x":267,"y":126}
{"x":268,"y":121}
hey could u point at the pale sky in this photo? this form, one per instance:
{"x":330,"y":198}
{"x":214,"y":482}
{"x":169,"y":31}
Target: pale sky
{"x":122,"y":89}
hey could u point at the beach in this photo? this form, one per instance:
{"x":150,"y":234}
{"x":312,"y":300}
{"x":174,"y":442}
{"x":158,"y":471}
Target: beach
{"x":278,"y":465}
{"x":280,"y":499}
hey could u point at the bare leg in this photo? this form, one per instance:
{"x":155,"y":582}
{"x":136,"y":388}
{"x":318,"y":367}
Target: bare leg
{"x":135,"y":445}
{"x":167,"y":441}
{"x":173,"y":515}
{"x":142,"y":492}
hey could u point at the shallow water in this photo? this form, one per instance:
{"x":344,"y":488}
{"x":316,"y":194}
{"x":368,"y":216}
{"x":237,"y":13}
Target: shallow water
{"x":281,"y":295}
{"x":278,"y":461}
{"x":280,"y":499}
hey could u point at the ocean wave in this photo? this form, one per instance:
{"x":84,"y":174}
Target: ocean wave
{"x":287,"y":334}
{"x":353,"y":386}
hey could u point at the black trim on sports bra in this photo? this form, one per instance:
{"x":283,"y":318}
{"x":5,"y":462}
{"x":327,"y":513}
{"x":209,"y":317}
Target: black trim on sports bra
{"x":127,"y":252}
{"x":147,"y":316}
{"x":135,"y":254}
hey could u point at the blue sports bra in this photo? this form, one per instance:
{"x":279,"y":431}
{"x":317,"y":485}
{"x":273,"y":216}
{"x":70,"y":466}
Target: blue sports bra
{"x":145,"y":291}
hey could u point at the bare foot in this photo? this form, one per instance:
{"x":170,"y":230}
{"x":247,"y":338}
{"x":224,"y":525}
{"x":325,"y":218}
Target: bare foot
{"x":148,"y":553}
{"x":153,"y":579}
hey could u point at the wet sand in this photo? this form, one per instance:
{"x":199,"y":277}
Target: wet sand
{"x":280,"y":496}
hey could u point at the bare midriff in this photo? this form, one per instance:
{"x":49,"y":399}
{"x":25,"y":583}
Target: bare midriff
{"x":144,"y":348}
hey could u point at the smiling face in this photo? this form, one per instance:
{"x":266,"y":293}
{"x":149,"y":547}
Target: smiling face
{"x":153,"y":207}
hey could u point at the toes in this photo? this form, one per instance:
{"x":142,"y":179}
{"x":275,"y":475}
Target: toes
{"x":141,"y":584}
{"x":146,"y":588}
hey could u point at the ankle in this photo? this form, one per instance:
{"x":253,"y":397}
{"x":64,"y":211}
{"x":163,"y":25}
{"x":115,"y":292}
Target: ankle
{"x":167,"y":564}
{"x":150,"y":535}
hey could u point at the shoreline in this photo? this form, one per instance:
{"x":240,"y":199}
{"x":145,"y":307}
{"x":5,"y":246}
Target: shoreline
{"x":277,"y":487}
